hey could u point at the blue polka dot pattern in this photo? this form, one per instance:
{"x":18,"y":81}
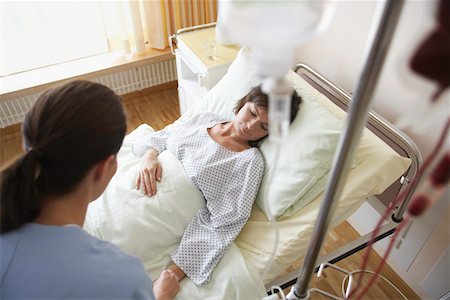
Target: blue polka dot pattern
{"x":228,"y":180}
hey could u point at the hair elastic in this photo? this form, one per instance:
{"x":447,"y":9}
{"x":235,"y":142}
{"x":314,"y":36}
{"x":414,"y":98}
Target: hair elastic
{"x":39,"y":154}
{"x":31,"y":149}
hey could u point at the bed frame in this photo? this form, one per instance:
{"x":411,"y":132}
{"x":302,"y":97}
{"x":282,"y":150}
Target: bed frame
{"x":396,"y":140}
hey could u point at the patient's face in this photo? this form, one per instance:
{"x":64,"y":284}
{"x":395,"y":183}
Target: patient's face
{"x":252,"y":122}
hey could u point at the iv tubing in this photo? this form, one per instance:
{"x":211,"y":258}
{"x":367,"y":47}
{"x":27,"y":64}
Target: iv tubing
{"x":348,"y":141}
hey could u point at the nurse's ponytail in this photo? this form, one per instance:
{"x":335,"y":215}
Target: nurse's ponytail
{"x":68,"y":130}
{"x":18,"y":191}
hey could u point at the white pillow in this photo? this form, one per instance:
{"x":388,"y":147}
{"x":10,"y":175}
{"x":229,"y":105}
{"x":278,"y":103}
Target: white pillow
{"x":303,"y":158}
{"x":306,"y":155}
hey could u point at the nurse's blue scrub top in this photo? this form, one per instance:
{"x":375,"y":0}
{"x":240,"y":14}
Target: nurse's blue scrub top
{"x":40,"y":261}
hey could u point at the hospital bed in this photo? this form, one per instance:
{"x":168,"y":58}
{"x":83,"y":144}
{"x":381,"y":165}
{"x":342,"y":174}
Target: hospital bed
{"x":290,"y":193}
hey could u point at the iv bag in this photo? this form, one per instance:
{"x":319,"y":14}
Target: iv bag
{"x":271,"y":29}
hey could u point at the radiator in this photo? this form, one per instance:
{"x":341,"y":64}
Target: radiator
{"x":12,"y":111}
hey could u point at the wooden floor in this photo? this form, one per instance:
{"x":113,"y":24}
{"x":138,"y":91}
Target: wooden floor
{"x":155,"y":106}
{"x":159,"y":107}
{"x":331,"y":280}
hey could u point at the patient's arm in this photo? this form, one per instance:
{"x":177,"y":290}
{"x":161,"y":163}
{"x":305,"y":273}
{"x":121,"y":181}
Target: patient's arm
{"x":166,"y":287}
{"x":149,"y":172}
{"x":157,"y":140}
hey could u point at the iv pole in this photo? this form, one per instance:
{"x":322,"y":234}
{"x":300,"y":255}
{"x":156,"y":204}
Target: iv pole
{"x":348,"y":141}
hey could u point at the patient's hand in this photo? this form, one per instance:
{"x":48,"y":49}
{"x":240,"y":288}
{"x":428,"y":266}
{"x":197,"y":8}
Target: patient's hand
{"x":166,"y":286}
{"x":149,"y":171}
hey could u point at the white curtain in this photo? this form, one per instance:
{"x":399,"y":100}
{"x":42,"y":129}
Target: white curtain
{"x":134,"y":25}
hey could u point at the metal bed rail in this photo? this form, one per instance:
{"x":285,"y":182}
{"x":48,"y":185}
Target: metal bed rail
{"x":173,"y":37}
{"x":377,"y":122}
{"x":388,"y":133}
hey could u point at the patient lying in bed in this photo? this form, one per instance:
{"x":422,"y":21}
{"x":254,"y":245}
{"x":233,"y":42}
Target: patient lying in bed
{"x":221,"y":159}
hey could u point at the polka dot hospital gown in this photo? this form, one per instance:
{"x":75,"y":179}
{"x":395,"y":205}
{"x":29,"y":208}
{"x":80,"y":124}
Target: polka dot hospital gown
{"x":228,"y":180}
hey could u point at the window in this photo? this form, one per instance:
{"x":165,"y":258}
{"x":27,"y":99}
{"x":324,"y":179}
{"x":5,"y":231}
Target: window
{"x":42,"y":33}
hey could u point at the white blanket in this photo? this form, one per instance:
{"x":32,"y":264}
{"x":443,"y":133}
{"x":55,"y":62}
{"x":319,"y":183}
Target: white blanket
{"x":151,"y":227}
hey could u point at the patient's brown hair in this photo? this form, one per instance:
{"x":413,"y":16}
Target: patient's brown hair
{"x":68,"y":130}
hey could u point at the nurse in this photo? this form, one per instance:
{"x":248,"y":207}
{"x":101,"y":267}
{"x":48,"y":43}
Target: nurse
{"x":71,"y":137}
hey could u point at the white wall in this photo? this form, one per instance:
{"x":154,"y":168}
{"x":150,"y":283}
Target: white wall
{"x":338,"y":54}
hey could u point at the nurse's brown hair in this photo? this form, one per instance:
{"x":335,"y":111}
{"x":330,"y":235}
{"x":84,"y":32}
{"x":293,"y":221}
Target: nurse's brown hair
{"x":68,"y":130}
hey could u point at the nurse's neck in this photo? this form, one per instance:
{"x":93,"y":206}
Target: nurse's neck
{"x":65,"y":210}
